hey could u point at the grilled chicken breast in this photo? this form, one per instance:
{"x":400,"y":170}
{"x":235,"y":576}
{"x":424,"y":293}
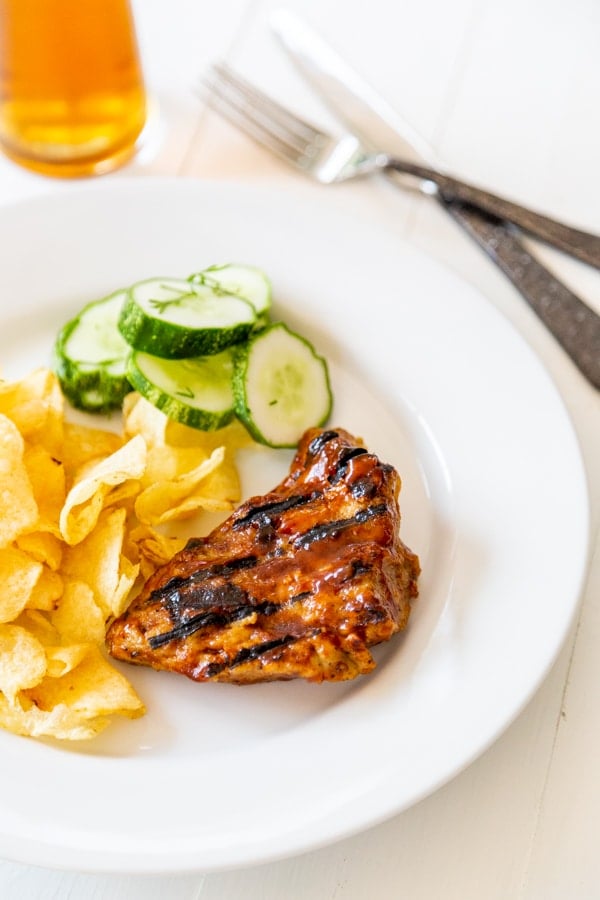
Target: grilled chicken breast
{"x":298,"y":583}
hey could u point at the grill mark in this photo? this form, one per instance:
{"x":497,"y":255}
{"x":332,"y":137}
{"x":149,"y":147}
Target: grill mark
{"x":249,"y":654}
{"x":331,"y":529}
{"x":266,"y":510}
{"x":223,"y":570}
{"x":372,"y":616}
{"x":224,"y":596}
{"x":318,"y":442}
{"x":342,"y":463}
{"x":358,"y":567}
{"x":363,"y":488}
{"x":186,"y":627}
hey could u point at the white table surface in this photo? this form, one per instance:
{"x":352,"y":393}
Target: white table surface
{"x":507,"y":94}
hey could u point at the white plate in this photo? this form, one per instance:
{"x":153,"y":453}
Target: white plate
{"x":438,"y":384}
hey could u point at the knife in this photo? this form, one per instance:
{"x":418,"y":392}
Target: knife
{"x":380,"y":128}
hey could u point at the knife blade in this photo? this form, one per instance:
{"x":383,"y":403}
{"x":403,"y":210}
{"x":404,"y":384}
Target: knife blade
{"x":380,"y":128}
{"x":364,"y":112}
{"x":370,"y":116}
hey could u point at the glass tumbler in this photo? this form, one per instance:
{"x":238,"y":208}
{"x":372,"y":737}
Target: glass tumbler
{"x":72,"y":98}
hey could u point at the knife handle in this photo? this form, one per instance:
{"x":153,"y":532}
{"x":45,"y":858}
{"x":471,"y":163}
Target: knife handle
{"x":580,"y":244}
{"x":574,"y":325}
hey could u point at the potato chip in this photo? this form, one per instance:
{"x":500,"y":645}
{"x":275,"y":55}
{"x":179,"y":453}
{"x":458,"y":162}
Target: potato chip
{"x":98,"y":561}
{"x":166,"y":463}
{"x":22,"y":660}
{"x":233,"y":436}
{"x":62,"y":659}
{"x":38,"y":624}
{"x":78,"y":692}
{"x":43,"y":547}
{"x":18,"y":509}
{"x":78,"y":619}
{"x":154,"y":549}
{"x":47,"y":477}
{"x":86,"y":498}
{"x":176,"y":499}
{"x":92,"y":688}
{"x":124,"y":494}
{"x":128,"y":573}
{"x":18,"y":576}
{"x":82,"y":444}
{"x":47,"y":591}
{"x":24,"y":718}
{"x":60,"y":722}
{"x":191,"y":506}
{"x":221,"y":489}
{"x":36,"y":405}
{"x":141,"y":417}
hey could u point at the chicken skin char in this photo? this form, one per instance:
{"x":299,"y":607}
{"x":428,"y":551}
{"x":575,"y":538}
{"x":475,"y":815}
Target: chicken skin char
{"x":297,"y":583}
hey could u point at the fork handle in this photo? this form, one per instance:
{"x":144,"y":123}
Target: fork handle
{"x":574,"y":325}
{"x":580,"y":244}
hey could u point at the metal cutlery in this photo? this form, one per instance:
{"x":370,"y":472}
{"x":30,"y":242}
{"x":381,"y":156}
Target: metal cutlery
{"x":328,"y":160}
{"x":379,"y":126}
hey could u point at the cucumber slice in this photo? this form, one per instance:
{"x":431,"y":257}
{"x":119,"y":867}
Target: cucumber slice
{"x":90,"y":356}
{"x":175,"y":319}
{"x":281,"y":386}
{"x":195,"y":392}
{"x":244,"y":281}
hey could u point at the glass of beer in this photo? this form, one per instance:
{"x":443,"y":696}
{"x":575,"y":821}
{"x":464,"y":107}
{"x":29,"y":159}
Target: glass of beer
{"x":72,"y":98}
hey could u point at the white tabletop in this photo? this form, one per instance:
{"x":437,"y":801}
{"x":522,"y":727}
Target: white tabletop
{"x":507,"y":94}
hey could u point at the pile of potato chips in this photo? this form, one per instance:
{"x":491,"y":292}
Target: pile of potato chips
{"x":83,"y":521}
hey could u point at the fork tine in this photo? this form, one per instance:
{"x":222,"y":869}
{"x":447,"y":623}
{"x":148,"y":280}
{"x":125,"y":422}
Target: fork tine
{"x":236,"y":111}
{"x":279,"y":115}
{"x":296,"y":138}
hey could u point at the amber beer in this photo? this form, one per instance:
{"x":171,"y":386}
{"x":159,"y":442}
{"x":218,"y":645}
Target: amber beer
{"x":72,"y":98}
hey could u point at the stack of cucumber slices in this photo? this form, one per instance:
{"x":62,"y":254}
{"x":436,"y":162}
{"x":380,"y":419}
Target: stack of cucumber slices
{"x":202,"y":349}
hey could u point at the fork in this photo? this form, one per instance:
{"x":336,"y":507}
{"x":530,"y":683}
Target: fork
{"x":328,"y":160}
